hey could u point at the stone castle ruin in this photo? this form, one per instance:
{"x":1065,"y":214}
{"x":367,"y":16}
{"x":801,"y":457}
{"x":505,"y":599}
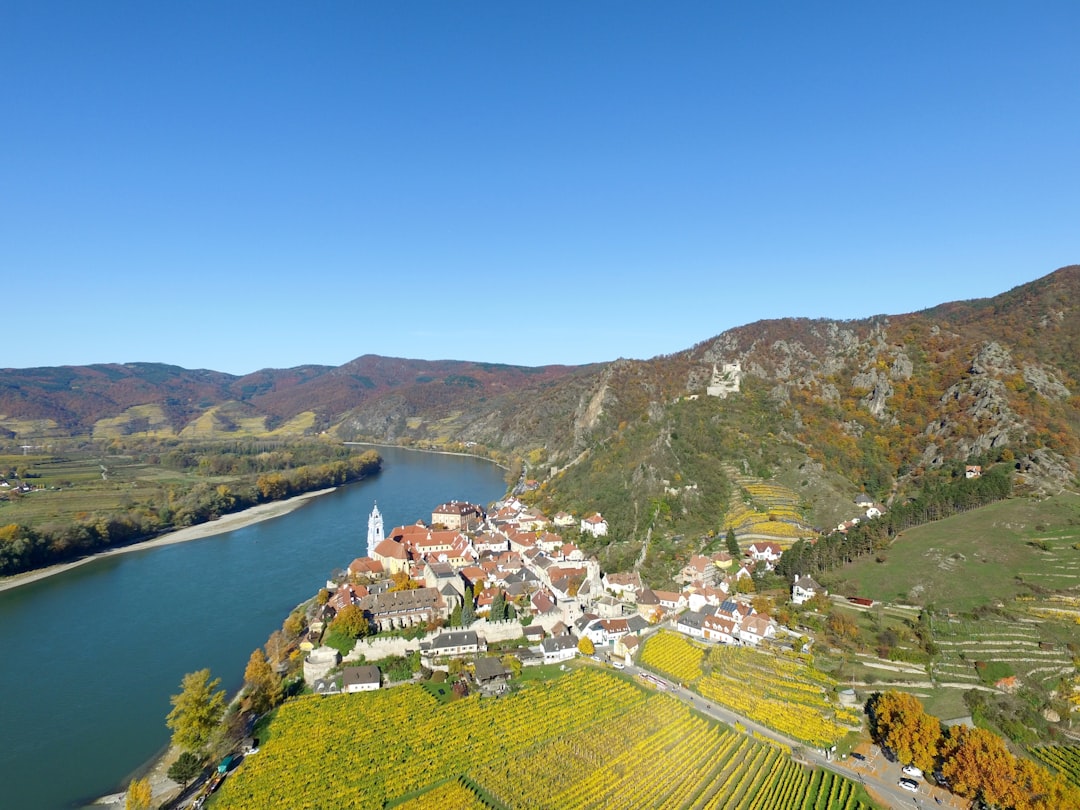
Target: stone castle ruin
{"x":726,"y":381}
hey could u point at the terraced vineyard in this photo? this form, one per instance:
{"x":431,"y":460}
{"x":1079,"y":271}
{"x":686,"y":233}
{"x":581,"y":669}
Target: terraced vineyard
{"x":766,"y":510}
{"x":962,"y":643}
{"x":586,"y":740}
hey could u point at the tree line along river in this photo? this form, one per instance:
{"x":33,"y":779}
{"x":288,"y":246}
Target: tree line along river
{"x":93,"y":654}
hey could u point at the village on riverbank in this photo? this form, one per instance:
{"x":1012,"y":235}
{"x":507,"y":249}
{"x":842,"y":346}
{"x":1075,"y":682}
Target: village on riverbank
{"x":491,"y":603}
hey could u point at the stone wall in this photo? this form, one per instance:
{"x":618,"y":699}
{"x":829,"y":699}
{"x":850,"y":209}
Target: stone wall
{"x":378,"y":648}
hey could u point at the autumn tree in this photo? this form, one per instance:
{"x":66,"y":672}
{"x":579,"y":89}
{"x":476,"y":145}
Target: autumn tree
{"x":351,"y":622}
{"x":139,"y":796}
{"x":977,"y":764}
{"x":842,"y":626}
{"x":763,"y":604}
{"x":277,"y":647}
{"x":899,"y":722}
{"x":196,"y":711}
{"x":262,"y":683}
{"x":585,"y":646}
{"x":512,"y":663}
{"x":744,"y":585}
{"x":294,"y":624}
{"x":403,"y":582}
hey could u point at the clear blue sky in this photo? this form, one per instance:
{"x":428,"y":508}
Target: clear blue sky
{"x":238,"y":186}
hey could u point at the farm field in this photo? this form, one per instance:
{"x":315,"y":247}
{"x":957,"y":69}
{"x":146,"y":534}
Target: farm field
{"x":588,"y":739}
{"x":72,"y":485}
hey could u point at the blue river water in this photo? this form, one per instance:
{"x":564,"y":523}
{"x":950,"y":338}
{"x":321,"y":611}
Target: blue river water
{"x":91,"y":656}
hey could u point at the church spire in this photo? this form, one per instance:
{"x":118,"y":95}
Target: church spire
{"x":374,"y":529}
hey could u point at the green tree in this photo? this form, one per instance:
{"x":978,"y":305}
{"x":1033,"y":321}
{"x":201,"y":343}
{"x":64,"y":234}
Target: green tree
{"x":498,"y":608}
{"x":186,"y":767}
{"x":733,"y":545}
{"x":468,"y":612}
{"x":139,"y":796}
{"x":196,"y":711}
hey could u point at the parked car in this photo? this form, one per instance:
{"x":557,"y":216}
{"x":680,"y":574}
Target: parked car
{"x":909,"y":784}
{"x":912,"y":771}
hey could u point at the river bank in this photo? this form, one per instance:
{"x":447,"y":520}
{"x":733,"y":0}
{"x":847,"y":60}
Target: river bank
{"x":429,"y":450}
{"x":226,"y":523}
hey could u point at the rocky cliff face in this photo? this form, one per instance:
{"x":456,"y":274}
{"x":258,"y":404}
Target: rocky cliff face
{"x":875,"y":400}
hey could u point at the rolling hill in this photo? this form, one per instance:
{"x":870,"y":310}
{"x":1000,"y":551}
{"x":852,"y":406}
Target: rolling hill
{"x":824,"y":409}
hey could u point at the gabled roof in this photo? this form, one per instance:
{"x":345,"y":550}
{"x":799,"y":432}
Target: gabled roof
{"x":558,"y":643}
{"x":806,"y":583}
{"x":392,"y":550}
{"x":487,"y":669}
{"x":454,"y":638}
{"x":365,"y":565}
{"x":585,"y":620}
{"x":542,"y":602}
{"x":647,"y":597}
{"x":692,"y":618}
{"x":360,"y":676}
{"x":719,"y":624}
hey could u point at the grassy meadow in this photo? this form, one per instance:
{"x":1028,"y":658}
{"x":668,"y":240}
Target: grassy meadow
{"x":988,"y":556}
{"x":1000,"y":587}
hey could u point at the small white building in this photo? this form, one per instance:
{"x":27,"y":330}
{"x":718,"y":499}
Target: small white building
{"x":595,"y":525}
{"x":803,"y":589}
{"x":360,"y":679}
{"x":559,"y":648}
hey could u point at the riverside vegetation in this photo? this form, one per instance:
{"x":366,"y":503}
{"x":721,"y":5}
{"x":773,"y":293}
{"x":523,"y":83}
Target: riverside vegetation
{"x":82,"y":497}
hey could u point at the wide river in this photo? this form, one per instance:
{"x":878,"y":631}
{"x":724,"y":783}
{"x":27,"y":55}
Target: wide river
{"x":93,"y":654}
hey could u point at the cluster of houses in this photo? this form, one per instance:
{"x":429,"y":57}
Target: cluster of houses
{"x":869,"y":508}
{"x":515,"y":556}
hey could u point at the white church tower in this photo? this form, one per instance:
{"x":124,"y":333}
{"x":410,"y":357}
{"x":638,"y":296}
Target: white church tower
{"x":374,"y":529}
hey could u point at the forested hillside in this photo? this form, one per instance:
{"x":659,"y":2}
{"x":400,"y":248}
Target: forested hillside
{"x":824,"y":410}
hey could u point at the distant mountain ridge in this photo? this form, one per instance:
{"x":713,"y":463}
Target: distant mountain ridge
{"x":836,"y":407}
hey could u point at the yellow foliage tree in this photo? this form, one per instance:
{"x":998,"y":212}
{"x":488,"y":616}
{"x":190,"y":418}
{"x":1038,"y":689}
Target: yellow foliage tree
{"x":139,"y":795}
{"x":585,"y":646}
{"x":902,"y":725}
{"x":977,"y":764}
{"x":263,"y":684}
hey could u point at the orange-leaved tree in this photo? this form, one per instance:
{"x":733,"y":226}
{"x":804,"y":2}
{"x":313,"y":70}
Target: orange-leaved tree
{"x":899,"y":722}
